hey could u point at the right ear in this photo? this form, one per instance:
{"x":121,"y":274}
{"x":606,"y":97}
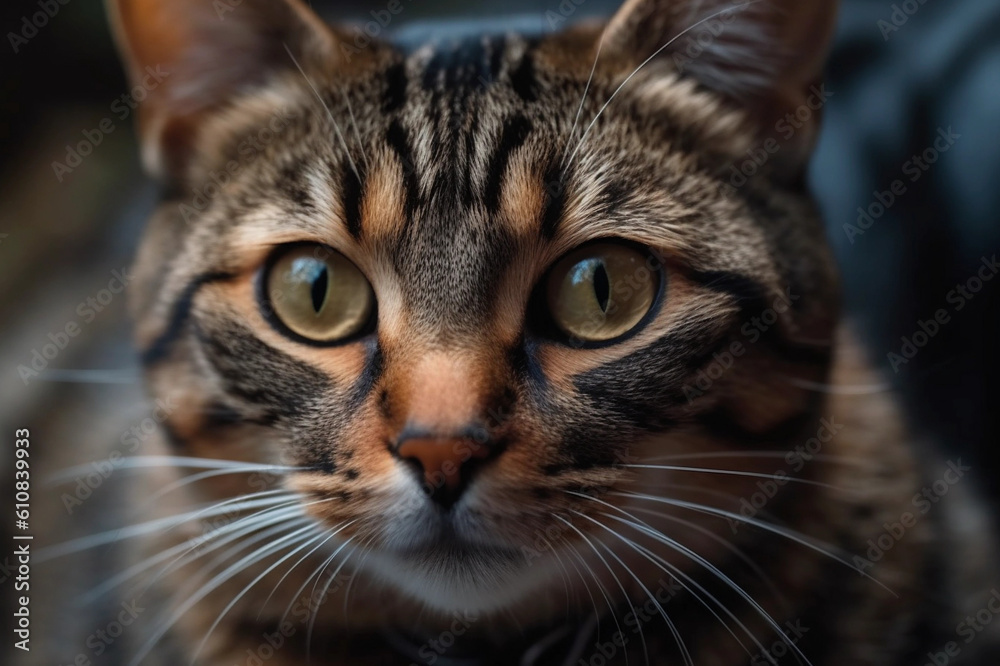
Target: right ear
{"x":193,"y":56}
{"x":765,"y":55}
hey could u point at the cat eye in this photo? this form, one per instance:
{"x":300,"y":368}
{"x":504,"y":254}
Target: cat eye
{"x":316,"y":293}
{"x":602,"y":291}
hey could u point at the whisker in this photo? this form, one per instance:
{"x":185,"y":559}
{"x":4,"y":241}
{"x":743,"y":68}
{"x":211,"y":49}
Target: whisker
{"x":643,"y":64}
{"x":583,"y":100}
{"x":213,"y":584}
{"x":315,"y":614}
{"x":735,"y":472}
{"x":318,"y":573}
{"x":710,"y":492}
{"x":357,"y":132}
{"x":290,"y":515}
{"x":244,"y":540}
{"x":329,"y":113}
{"x":678,"y":547}
{"x":132,"y":531}
{"x":249,"y":586}
{"x":251,"y":501}
{"x":579,"y":574}
{"x":621,"y":587}
{"x":824,"y":549}
{"x":140,"y":462}
{"x":676,"y":572}
{"x":330,"y":533}
{"x":565,"y":572}
{"x":183,"y":548}
{"x":357,"y":569}
{"x":603,"y":591}
{"x":666,"y":618}
{"x":194,"y":478}
{"x":819,"y":457}
{"x":732,"y":548}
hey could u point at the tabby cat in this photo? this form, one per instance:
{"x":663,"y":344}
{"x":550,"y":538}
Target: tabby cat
{"x":497,"y":347}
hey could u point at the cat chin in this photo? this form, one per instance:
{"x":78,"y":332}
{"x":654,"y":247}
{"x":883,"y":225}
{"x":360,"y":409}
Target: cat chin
{"x":480,"y":582}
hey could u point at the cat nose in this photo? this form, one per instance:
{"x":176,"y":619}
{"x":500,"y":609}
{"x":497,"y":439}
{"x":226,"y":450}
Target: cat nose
{"x":445,"y":462}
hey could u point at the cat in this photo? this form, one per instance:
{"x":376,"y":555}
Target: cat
{"x":488,"y":347}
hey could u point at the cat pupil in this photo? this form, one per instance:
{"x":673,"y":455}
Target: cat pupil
{"x":602,"y":287}
{"x":319,"y":287}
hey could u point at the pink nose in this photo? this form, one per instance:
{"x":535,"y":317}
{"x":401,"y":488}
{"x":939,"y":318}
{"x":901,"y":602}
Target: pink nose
{"x":443,"y":459}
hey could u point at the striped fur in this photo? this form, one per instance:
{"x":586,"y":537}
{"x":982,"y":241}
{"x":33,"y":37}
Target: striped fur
{"x":453,"y":173}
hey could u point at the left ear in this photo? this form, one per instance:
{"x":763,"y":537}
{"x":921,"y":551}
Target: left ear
{"x":766,"y":55}
{"x":192,"y":57}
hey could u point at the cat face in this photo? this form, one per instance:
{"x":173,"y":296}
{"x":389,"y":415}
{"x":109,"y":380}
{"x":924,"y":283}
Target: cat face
{"x":467,"y":289}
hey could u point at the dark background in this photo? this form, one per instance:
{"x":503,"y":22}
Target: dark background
{"x":893,"y":93}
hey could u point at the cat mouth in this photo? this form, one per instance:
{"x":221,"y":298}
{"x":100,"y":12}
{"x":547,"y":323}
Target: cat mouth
{"x":451,"y":573}
{"x":450,"y":535}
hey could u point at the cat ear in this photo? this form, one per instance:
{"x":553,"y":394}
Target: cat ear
{"x":766,"y":55}
{"x":192,"y":56}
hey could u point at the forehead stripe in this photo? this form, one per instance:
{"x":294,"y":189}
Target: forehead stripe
{"x":513,"y":135}
{"x":395,"y":90}
{"x":555,"y":192}
{"x":353,"y":187}
{"x":399,"y":142}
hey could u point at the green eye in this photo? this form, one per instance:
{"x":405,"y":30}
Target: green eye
{"x":602,"y":291}
{"x":319,"y":294}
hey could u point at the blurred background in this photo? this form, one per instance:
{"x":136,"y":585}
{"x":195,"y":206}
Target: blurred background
{"x":904,"y":75}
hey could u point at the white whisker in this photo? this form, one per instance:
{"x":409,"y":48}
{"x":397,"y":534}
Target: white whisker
{"x":322,"y":597}
{"x":643,"y":64}
{"x":819,"y":457}
{"x":824,"y":549}
{"x":140,"y":462}
{"x":659,"y":607}
{"x":330,"y":533}
{"x":329,"y":113}
{"x":676,"y":572}
{"x":613,"y":575}
{"x":357,"y":132}
{"x":213,"y":584}
{"x":583,"y":100}
{"x":238,"y":527}
{"x":736,"y":472}
{"x":679,"y":547}
{"x":604,"y":593}
{"x":732,"y":548}
{"x":132,"y":531}
{"x":249,"y":586}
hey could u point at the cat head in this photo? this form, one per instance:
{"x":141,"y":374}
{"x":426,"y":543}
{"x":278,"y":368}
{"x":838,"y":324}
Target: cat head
{"x":468,"y":288}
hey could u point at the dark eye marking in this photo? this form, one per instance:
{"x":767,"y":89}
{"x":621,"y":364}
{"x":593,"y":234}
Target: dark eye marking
{"x":160,"y":348}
